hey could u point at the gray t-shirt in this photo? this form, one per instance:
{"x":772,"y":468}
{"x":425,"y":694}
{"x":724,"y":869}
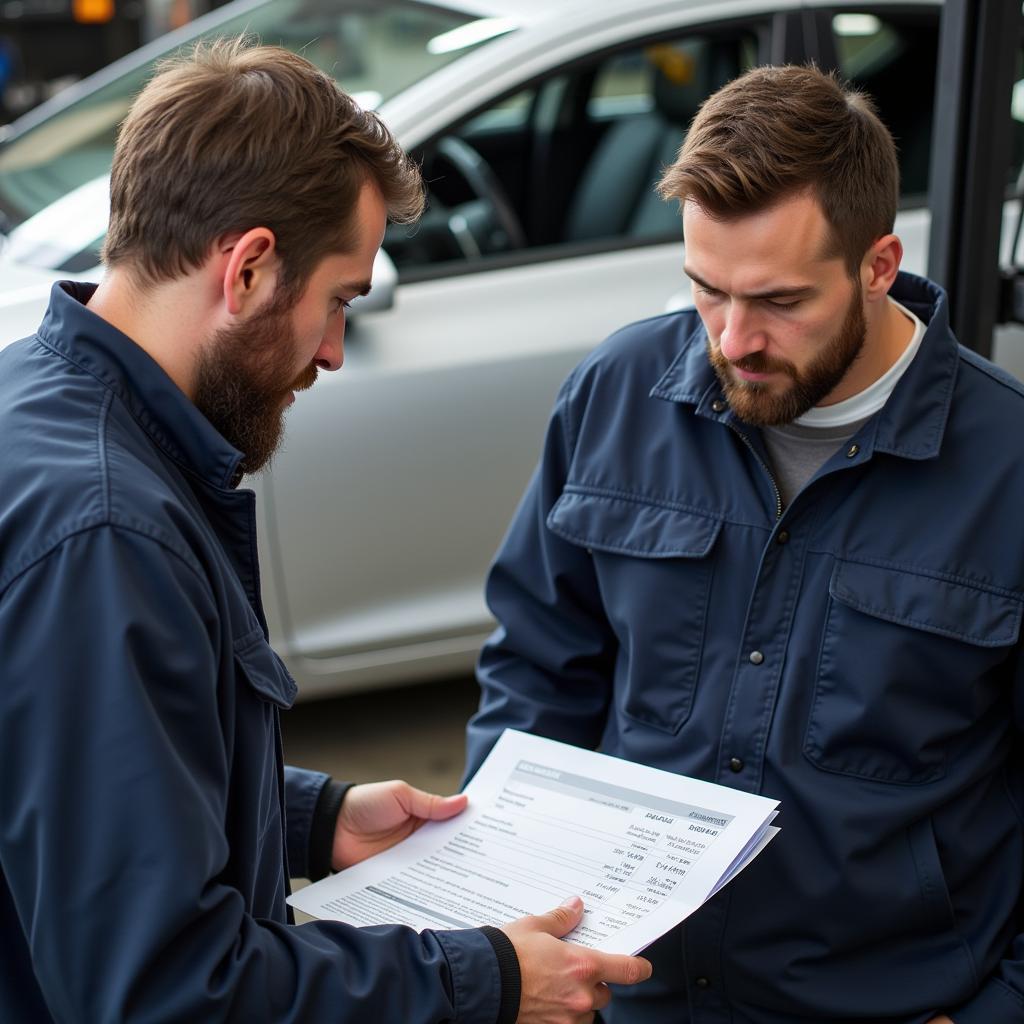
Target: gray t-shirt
{"x":798,"y":452}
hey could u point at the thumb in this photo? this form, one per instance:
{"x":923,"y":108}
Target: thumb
{"x":562,"y":919}
{"x":432,"y":807}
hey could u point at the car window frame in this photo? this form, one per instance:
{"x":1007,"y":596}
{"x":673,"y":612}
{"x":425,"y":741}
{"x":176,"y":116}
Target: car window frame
{"x":765,"y":26}
{"x":820,"y":47}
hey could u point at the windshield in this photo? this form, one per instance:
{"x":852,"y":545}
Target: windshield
{"x":53,"y":178}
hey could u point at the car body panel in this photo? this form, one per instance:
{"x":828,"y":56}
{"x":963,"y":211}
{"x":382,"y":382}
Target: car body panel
{"x":429,"y":503}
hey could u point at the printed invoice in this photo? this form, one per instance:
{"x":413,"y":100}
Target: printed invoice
{"x":643,"y":847}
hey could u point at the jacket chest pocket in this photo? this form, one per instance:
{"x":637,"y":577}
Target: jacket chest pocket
{"x":265,"y":687}
{"x":654,"y":567}
{"x":263,"y":670}
{"x":907,"y":664}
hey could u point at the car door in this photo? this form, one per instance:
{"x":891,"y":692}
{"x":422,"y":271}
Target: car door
{"x":890,"y":50}
{"x":383,"y":523}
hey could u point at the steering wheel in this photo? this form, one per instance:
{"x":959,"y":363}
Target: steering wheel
{"x":484,"y":184}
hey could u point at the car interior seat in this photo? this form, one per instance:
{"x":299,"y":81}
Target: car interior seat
{"x":615,"y":196}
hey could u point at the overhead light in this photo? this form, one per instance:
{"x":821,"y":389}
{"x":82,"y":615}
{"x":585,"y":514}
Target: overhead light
{"x":856,"y":25}
{"x":474,"y":32}
{"x":92,"y":12}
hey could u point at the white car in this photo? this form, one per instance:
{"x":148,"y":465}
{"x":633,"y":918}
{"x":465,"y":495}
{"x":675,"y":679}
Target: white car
{"x":542,"y":126}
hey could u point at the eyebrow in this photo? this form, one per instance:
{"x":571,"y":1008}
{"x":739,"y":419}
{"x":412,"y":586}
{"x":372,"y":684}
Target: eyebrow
{"x":355,"y":287}
{"x":778,"y":292}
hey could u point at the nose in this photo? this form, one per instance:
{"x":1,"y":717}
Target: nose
{"x":740,"y":335}
{"x":331,"y":353}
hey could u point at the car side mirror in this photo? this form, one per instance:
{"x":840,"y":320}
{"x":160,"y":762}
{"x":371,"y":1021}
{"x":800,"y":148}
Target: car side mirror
{"x":384,"y":282}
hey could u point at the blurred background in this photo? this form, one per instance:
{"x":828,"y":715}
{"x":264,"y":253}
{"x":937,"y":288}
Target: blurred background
{"x":415,"y":733}
{"x":47,"y":45}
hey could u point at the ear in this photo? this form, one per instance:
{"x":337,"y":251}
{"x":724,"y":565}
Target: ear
{"x":879,"y":267}
{"x":249,"y":269}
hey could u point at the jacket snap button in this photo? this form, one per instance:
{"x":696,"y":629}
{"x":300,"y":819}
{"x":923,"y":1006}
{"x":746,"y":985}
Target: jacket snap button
{"x":852,"y":450}
{"x":718,"y":405}
{"x":702,"y":983}
{"x":735,"y":764}
{"x":756,"y":657}
{"x":782,"y":537}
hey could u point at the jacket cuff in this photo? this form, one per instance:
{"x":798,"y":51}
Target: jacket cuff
{"x":995,"y":1001}
{"x":508,"y":969}
{"x":322,"y":829}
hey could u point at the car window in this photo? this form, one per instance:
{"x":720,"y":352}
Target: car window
{"x":570,"y":163}
{"x":375,"y":48}
{"x":892,"y":55}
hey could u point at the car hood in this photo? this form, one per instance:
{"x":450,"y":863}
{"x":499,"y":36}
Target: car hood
{"x":24,"y":296}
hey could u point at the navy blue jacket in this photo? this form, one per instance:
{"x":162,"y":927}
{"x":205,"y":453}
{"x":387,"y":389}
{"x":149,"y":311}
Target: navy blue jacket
{"x":856,"y":656}
{"x":143,"y":829}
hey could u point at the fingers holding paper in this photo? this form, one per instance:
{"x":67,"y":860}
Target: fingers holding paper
{"x":563,"y":983}
{"x":376,"y":815}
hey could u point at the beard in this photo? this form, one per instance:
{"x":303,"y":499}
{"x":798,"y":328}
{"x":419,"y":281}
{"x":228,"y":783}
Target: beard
{"x":756,"y":403}
{"x":243,"y":379}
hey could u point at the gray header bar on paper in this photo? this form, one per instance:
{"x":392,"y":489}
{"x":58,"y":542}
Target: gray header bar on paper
{"x":615,"y":796}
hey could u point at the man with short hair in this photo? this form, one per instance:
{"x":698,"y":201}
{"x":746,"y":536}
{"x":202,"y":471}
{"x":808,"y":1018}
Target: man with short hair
{"x":774,"y":543}
{"x":147,"y":825}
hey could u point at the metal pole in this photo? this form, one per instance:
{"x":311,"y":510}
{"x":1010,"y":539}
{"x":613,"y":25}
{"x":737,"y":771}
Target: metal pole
{"x":971,"y":138}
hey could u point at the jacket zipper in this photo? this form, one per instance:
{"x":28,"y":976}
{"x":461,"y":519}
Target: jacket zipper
{"x":753,"y":451}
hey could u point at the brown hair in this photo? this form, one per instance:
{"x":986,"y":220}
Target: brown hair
{"x":777,"y":131}
{"x":234,"y":136}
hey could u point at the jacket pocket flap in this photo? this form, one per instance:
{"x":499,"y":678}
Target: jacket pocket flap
{"x":957,"y":610}
{"x":630,"y":527}
{"x":264,"y":670}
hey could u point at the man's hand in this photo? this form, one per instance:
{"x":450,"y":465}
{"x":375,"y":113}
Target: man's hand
{"x":941,"y":1019}
{"x":377,"y":815}
{"x":564,"y":983}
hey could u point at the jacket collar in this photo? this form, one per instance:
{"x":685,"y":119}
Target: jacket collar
{"x":160,"y":407}
{"x":911,"y":423}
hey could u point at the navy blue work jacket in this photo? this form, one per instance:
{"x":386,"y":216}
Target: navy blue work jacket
{"x":142,"y":795}
{"x":855,"y":655}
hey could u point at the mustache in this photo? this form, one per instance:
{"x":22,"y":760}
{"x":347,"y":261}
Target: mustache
{"x":305,"y":380}
{"x":758,"y":362}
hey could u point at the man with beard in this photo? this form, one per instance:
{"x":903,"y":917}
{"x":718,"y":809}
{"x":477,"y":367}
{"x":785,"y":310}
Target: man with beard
{"x":774,"y":543}
{"x":147,"y":824}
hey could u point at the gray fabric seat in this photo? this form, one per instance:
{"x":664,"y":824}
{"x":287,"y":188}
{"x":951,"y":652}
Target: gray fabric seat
{"x":616,"y":197}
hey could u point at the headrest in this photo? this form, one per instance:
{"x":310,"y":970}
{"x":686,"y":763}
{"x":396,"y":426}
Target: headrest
{"x":687,"y":72}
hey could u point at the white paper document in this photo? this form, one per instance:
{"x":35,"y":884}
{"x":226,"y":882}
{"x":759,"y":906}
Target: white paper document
{"x":644,"y":849}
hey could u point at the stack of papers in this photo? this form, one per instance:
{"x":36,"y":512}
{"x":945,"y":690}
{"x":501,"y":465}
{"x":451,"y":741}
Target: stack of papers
{"x":644,"y":849}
